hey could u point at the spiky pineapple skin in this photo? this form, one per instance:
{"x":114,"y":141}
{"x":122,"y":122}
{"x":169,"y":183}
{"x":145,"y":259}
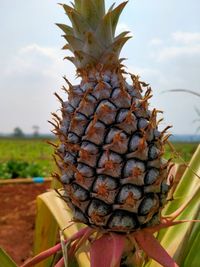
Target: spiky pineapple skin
{"x":110,"y":153}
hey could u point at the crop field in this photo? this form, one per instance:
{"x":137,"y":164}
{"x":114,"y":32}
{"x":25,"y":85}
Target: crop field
{"x":33,"y":157}
{"x":185,"y":150}
{"x":25,"y":158}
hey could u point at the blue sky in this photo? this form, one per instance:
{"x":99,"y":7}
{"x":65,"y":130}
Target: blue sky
{"x":164,"y":51}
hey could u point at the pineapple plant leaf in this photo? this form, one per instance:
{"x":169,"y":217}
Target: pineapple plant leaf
{"x":5,"y":260}
{"x":178,"y":240}
{"x":107,"y":250}
{"x":110,"y":151}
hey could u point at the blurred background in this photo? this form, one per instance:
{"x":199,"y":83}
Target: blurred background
{"x":164,"y":51}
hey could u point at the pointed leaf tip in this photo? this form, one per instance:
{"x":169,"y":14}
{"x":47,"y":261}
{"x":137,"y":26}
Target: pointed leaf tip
{"x":65,"y":28}
{"x":153,"y":249}
{"x":115,"y":14}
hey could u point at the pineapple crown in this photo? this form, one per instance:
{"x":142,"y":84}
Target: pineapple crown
{"x":91,"y":38}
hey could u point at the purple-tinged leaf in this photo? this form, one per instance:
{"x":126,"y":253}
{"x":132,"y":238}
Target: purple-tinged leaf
{"x":49,"y":252}
{"x":165,"y":224}
{"x":79,"y":242}
{"x":79,"y":234}
{"x":42,"y":256}
{"x":60,"y":263}
{"x":118,"y":244}
{"x":153,"y":249}
{"x":107,"y":250}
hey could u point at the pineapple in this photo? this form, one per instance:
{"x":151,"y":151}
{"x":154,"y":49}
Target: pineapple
{"x":110,"y":151}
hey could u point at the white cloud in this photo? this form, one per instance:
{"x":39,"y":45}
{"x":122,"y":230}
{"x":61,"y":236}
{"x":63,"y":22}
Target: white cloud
{"x":35,"y":60}
{"x":145,"y":73}
{"x":181,"y":45}
{"x":172,"y":52}
{"x":156,"y":42}
{"x":30,"y":78}
{"x":36,"y":49}
{"x":178,"y":62}
{"x":176,"y":106}
{"x":186,"y":37}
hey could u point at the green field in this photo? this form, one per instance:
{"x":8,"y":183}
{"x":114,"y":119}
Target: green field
{"x":34,"y":156}
{"x":185,"y":150}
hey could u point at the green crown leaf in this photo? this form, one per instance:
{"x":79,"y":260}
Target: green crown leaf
{"x":91,"y":38}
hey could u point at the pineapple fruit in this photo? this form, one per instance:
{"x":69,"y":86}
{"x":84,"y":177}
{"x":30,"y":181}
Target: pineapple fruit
{"x":110,"y":151}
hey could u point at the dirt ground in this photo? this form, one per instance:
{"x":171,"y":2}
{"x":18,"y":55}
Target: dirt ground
{"x":17,"y":218}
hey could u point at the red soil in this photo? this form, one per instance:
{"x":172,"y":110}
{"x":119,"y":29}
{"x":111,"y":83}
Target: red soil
{"x":17,"y":218}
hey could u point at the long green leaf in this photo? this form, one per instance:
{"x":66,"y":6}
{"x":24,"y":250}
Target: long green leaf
{"x":100,"y":6}
{"x":80,"y":25}
{"x":115,"y":14}
{"x":175,"y":239}
{"x":188,"y":184}
{"x":191,"y":257}
{"x":46,"y":229}
{"x":104,"y":30}
{"x":90,"y":13}
{"x":5,"y":260}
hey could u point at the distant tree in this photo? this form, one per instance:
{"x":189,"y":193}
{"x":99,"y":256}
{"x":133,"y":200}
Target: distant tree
{"x":35,"y":130}
{"x":17,"y":132}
